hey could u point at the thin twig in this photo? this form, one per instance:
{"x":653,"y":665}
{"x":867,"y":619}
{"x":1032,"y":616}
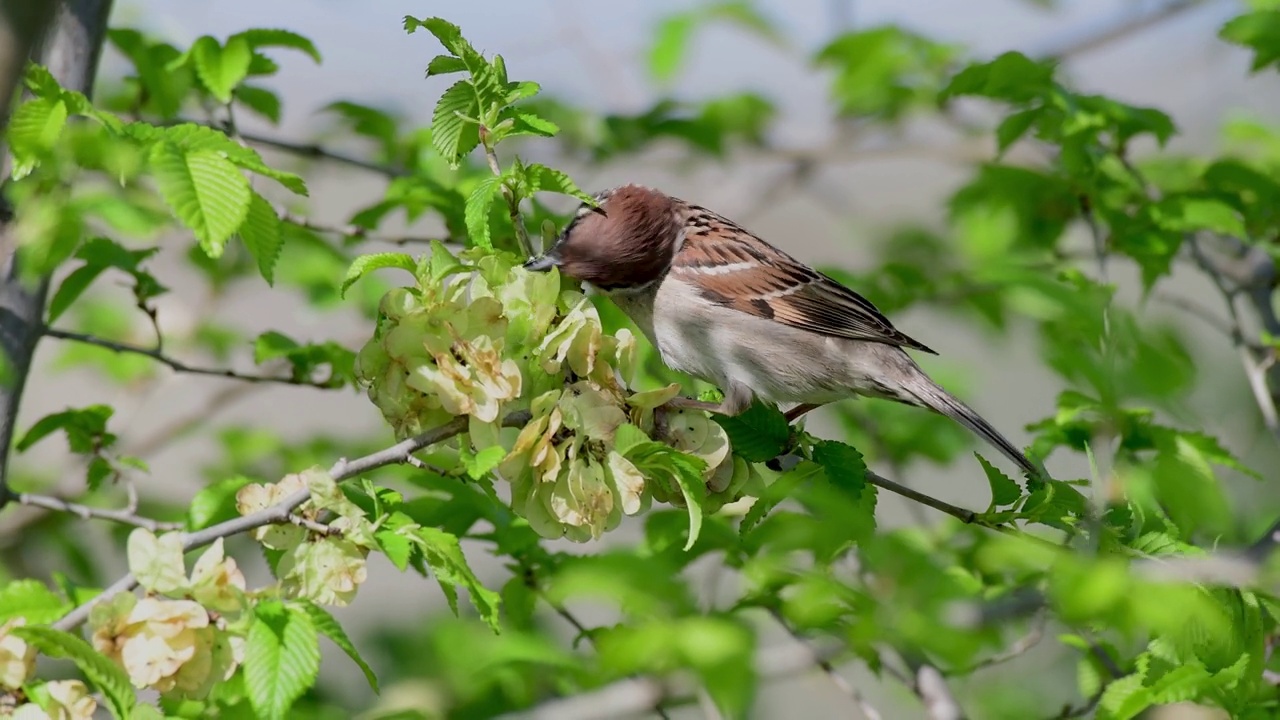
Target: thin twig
{"x":513,"y":204}
{"x":362,"y":233}
{"x":179,"y":366}
{"x":1016,"y":648}
{"x":319,"y":152}
{"x":318,"y":528}
{"x":125,"y":516}
{"x":824,"y":663}
{"x":1126,"y":27}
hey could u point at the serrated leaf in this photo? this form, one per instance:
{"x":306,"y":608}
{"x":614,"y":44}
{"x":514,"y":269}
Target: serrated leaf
{"x":775,"y":493}
{"x":35,"y":128}
{"x":192,"y":137}
{"x":526,"y":123}
{"x":843,"y":465}
{"x":221,"y":67}
{"x":274,"y":37}
{"x":205,"y":190}
{"x":443,"y":554}
{"x":281,"y":658}
{"x":30,"y":599}
{"x":263,"y":235}
{"x":397,"y":548}
{"x":1004,"y":491}
{"x":477,"y":213}
{"x":445,"y":65}
{"x":757,"y":434}
{"x":451,"y":135}
{"x":329,"y":627}
{"x":366,"y":264}
{"x":542,"y":178}
{"x":108,"y":677}
{"x":1125,"y":698}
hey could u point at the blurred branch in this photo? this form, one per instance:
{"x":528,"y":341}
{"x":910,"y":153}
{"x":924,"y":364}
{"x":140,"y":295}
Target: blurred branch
{"x":127,"y":516}
{"x":822,"y":661}
{"x":362,"y":233}
{"x":939,"y":702}
{"x":1016,"y":649}
{"x":1132,"y":22}
{"x":22,"y":24}
{"x":281,"y":512}
{"x":70,"y":51}
{"x":179,"y":366}
{"x":320,"y":152}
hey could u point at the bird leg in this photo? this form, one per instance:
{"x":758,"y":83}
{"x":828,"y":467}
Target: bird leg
{"x":794,"y":413}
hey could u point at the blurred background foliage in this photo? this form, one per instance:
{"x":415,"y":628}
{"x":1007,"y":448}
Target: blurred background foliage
{"x":1136,"y":273}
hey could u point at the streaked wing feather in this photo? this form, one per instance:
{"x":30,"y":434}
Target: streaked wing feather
{"x":734,"y":268}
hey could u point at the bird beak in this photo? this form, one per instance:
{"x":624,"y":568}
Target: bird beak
{"x":542,"y":264}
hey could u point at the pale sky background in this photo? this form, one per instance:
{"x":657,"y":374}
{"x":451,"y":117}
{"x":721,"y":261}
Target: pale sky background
{"x":593,"y":54}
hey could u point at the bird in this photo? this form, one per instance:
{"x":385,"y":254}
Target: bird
{"x":722,"y":305}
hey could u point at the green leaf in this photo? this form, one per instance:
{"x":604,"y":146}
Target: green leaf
{"x":445,"y":65}
{"x":1259,"y":31}
{"x":1188,"y":214}
{"x":221,"y":68}
{"x":453,"y":130}
{"x":108,"y":677}
{"x":539,"y":178}
{"x":1013,"y":127}
{"x":670,"y":44}
{"x":272,"y":345}
{"x":1004,"y":491}
{"x":444,"y":556}
{"x":843,"y":464}
{"x":260,"y":100}
{"x":329,"y":627}
{"x":263,"y":235}
{"x":527,"y":123}
{"x":30,"y":599}
{"x":1125,"y":698}
{"x":478,"y":205}
{"x":281,"y":658}
{"x":215,"y":503}
{"x":397,"y":548}
{"x":758,"y":434}
{"x":86,"y":429}
{"x":205,"y":190}
{"x":72,"y":287}
{"x":775,"y":493}
{"x":655,"y":458}
{"x":481,"y":463}
{"x":33,"y":131}
{"x":1012,"y":76}
{"x":258,"y":38}
{"x":365,"y":264}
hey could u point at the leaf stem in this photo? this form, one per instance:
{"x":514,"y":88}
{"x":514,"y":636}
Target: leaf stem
{"x":513,"y":203}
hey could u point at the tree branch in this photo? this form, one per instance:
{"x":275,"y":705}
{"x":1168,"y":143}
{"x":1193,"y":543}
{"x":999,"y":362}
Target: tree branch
{"x":281,"y":512}
{"x":179,"y":366}
{"x":124,"y":516}
{"x":70,"y":52}
{"x":319,"y":152}
{"x":22,"y":24}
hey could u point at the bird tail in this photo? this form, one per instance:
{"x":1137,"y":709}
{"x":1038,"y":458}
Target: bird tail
{"x":927,"y":394}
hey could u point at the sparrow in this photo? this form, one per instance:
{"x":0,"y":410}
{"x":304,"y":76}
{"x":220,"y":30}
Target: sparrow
{"x":723,"y":305}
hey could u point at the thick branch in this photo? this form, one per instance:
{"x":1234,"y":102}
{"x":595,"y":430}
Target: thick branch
{"x":22,"y":24}
{"x":71,"y":53}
